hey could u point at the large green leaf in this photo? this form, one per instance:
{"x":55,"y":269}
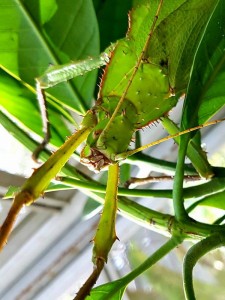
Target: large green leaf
{"x":205,"y":95}
{"x":208,"y":63}
{"x":36,"y":33}
{"x":20,"y":105}
{"x":112,"y":19}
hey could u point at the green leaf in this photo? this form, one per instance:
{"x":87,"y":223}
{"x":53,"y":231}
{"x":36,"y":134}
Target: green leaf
{"x":36,"y":33}
{"x":214,"y":98}
{"x":12,"y":190}
{"x":112,"y":20}
{"x":20,"y":105}
{"x":108,"y":291}
{"x":202,"y":76}
{"x":215,"y":200}
{"x":205,"y":93}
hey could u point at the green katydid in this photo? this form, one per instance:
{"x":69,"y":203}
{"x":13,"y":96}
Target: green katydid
{"x":148,"y":85}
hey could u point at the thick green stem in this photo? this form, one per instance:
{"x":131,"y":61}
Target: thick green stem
{"x":178,"y":193}
{"x":99,"y":188}
{"x":193,"y":255}
{"x":213,"y":187}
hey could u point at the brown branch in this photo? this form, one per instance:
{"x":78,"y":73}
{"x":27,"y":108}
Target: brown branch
{"x":151,"y":179}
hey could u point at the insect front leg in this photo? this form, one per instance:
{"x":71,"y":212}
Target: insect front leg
{"x":57,"y":74}
{"x":45,"y":121}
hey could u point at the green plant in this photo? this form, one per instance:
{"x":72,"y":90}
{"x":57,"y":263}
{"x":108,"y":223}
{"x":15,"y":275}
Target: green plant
{"x":151,"y":67}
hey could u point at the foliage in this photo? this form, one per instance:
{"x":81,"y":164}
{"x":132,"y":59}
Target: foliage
{"x":148,"y":71}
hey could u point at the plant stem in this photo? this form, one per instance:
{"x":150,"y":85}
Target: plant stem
{"x":193,"y":255}
{"x":120,"y":284}
{"x":178,"y":197}
{"x":95,"y":187}
{"x":156,"y":256}
{"x":212,"y":187}
{"x":85,"y":290}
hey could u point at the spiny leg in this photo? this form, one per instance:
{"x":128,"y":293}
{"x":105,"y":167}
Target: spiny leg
{"x":57,"y":74}
{"x":105,"y":234}
{"x":35,"y":186}
{"x":45,"y":121}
